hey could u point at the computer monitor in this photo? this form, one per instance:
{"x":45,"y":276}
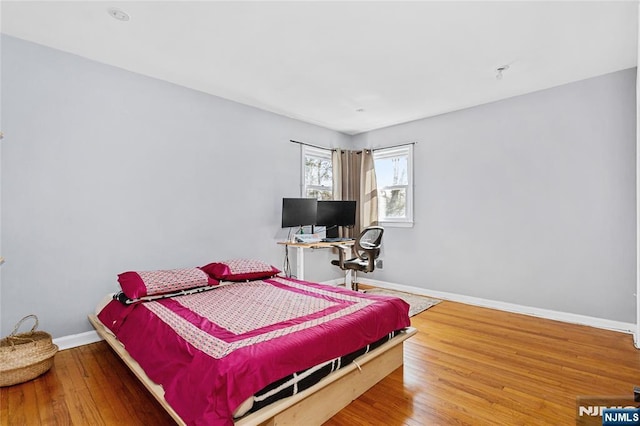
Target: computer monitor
{"x":299,"y":212}
{"x":336,"y":213}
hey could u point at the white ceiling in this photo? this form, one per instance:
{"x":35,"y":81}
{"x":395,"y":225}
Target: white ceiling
{"x":320,"y":62}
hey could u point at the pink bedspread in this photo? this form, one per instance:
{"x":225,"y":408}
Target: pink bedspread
{"x":210,"y":351}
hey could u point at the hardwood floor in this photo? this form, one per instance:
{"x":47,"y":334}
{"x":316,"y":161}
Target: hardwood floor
{"x":476,"y":366}
{"x":466,"y":365}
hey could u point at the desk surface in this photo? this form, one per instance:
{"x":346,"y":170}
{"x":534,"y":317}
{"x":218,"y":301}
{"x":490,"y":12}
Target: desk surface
{"x":319,"y":244}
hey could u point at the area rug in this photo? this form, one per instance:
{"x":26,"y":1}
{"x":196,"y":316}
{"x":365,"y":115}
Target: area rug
{"x":416,"y":303}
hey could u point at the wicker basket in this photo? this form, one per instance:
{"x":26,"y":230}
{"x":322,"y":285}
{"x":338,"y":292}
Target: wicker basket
{"x":25,"y":356}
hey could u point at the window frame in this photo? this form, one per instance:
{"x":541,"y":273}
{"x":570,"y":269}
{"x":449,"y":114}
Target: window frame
{"x":403,"y":150}
{"x":322,"y":153}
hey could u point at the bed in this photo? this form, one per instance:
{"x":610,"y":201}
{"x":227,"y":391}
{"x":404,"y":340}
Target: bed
{"x":212,"y":354}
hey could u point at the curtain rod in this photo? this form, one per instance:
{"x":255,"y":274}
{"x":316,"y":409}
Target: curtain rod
{"x":314,"y":146}
{"x":394,"y":146}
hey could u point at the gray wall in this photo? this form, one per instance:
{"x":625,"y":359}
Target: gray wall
{"x":105,"y":171}
{"x":530,"y":200}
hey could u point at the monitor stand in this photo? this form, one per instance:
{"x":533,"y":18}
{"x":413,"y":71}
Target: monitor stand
{"x":332,"y":232}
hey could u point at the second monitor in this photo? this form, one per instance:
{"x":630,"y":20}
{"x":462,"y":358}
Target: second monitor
{"x":333,"y":214}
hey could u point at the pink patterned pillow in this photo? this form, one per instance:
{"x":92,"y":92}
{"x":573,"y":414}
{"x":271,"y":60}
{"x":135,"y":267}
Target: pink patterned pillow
{"x":147,"y":283}
{"x":240,"y":270}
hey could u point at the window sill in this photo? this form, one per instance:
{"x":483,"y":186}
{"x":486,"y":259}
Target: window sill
{"x":392,"y":224}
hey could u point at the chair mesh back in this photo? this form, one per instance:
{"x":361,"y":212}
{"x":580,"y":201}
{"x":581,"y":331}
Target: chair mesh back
{"x":371,"y":237}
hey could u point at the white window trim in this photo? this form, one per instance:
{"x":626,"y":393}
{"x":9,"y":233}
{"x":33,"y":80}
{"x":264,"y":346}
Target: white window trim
{"x":313,"y":152}
{"x":392,"y":152}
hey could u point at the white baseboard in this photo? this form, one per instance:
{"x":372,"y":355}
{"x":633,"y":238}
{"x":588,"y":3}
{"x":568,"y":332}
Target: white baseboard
{"x":335,"y":282}
{"x":623,"y":327}
{"x":75,"y":340}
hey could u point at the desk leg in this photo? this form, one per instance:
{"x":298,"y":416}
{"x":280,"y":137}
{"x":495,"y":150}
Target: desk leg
{"x":300,"y":263}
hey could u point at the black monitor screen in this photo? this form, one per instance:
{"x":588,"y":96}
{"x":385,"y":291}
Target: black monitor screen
{"x":336,"y":213}
{"x":299,"y":212}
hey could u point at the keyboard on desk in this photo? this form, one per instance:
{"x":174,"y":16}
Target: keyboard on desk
{"x":335,"y":240}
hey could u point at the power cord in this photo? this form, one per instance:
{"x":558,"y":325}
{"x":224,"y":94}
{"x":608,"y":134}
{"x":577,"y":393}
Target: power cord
{"x":286,"y":266}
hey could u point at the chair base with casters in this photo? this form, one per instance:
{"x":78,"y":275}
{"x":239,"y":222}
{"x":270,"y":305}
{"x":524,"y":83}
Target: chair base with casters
{"x":366,"y":250}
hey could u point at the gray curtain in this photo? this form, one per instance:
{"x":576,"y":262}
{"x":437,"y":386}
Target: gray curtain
{"x":354,"y":178}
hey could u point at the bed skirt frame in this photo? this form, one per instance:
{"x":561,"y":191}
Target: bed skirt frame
{"x":312,"y":406}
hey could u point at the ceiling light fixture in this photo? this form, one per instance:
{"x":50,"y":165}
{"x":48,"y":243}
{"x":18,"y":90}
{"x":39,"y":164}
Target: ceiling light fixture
{"x":500,"y":70}
{"x":118,"y":14}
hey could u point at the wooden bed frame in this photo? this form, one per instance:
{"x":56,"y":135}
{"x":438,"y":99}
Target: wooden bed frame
{"x":312,"y":406}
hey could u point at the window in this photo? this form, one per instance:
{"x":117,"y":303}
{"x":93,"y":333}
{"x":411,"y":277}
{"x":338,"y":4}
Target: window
{"x":317,"y":172}
{"x":394,"y":175}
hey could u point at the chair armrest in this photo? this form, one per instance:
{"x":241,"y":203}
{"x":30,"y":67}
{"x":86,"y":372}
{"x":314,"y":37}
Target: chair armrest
{"x":341,"y":254}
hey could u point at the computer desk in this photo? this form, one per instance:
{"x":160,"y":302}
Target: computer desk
{"x":300,"y":247}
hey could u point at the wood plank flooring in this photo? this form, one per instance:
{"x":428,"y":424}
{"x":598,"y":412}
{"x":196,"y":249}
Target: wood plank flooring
{"x":466,"y":366}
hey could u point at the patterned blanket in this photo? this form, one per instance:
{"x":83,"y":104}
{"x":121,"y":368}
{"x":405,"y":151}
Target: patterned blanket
{"x":212,"y":350}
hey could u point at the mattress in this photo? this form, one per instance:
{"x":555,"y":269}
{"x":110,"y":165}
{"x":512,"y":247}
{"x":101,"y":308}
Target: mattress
{"x":302,"y":380}
{"x":212,"y":351}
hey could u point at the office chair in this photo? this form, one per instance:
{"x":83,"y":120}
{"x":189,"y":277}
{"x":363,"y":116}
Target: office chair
{"x":366,"y":250}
